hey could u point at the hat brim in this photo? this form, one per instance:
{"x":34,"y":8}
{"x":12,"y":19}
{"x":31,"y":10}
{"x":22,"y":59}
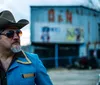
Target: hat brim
{"x":6,"y":23}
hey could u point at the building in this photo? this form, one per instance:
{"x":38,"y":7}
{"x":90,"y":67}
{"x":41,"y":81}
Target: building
{"x":62,"y":33}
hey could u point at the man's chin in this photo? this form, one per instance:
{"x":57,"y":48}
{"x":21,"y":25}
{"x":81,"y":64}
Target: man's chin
{"x":16,"y":48}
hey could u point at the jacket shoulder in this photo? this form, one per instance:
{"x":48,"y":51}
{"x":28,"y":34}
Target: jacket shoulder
{"x":32,"y":56}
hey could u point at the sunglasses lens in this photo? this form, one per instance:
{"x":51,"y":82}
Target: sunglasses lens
{"x":19,"y":32}
{"x":10,"y":34}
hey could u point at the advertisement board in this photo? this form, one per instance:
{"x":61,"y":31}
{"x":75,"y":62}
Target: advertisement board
{"x":57,"y":33}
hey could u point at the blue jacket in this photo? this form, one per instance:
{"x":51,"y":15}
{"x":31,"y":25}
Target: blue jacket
{"x":27,"y":69}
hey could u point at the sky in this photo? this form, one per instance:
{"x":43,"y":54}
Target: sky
{"x":21,"y":9}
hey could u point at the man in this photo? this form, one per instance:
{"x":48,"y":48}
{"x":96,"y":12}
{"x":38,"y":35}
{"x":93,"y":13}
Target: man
{"x":16,"y":66}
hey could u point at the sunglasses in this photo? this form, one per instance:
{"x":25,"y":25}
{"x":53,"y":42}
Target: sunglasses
{"x":10,"y":33}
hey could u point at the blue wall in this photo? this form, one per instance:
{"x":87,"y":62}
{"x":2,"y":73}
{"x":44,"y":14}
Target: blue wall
{"x":40,"y":14}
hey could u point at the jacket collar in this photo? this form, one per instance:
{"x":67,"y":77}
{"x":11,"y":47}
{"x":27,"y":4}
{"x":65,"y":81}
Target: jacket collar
{"x":22,"y":58}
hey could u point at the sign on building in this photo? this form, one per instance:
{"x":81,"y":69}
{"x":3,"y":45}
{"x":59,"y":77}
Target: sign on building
{"x":57,"y":33}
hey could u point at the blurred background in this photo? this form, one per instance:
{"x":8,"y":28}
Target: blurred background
{"x":64,"y":33}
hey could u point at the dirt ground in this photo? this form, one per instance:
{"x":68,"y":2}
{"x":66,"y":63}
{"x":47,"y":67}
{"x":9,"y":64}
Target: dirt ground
{"x":63,"y":76}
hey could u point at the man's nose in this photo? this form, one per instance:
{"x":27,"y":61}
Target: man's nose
{"x":15,"y":36}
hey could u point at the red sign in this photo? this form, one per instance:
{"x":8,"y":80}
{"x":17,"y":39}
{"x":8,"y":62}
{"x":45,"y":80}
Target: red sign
{"x":51,"y":14}
{"x":69,"y":16}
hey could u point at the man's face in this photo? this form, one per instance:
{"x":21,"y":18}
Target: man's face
{"x":10,"y":39}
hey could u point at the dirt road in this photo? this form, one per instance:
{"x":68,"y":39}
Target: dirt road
{"x":74,"y":77}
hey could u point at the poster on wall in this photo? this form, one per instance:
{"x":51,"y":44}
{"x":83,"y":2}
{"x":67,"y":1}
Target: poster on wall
{"x":75,"y":34}
{"x":57,"y":33}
